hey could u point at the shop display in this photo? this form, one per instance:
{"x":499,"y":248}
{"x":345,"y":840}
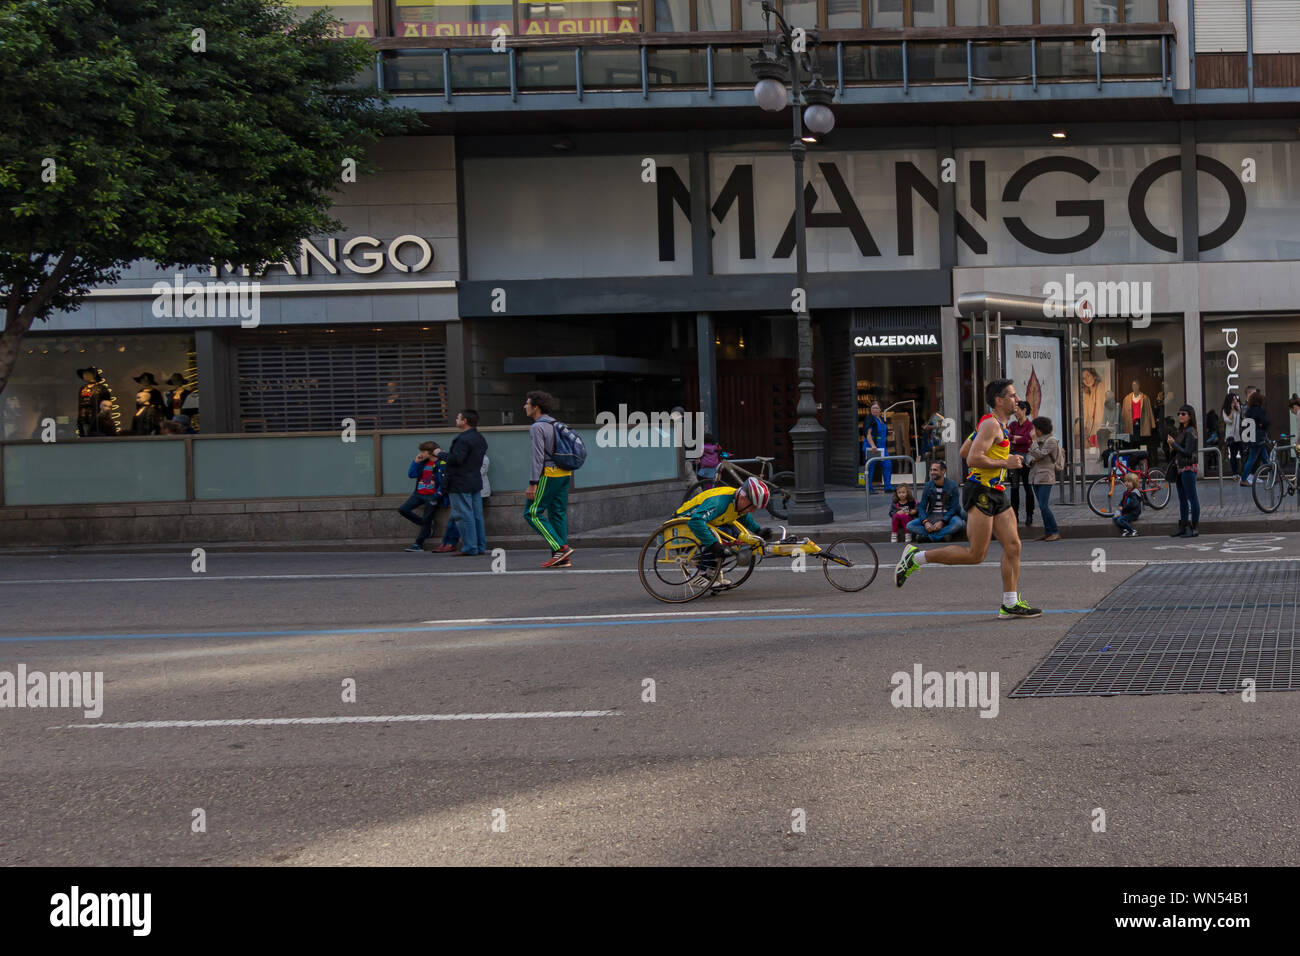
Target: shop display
{"x":94,"y":392}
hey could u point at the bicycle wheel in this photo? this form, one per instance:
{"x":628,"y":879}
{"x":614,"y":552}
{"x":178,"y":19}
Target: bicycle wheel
{"x":1155,"y":489}
{"x":783,"y":479}
{"x":850,"y":563}
{"x":1269,"y":488}
{"x":1104,"y":495}
{"x":778,"y":503}
{"x":669,"y":565}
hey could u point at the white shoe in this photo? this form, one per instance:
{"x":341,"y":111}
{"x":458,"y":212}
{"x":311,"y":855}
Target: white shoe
{"x":907,"y":538}
{"x":893,"y":539}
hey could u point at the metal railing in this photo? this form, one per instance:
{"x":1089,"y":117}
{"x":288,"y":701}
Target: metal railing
{"x":866,"y":476}
{"x":643,"y":63}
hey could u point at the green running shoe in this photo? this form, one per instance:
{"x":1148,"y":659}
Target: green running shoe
{"x":907,"y":565}
{"x":1019,"y":609}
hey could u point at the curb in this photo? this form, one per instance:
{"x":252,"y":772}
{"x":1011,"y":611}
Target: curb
{"x":1099,"y":532}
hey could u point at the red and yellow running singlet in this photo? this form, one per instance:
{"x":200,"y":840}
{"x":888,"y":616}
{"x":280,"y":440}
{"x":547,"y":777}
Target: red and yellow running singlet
{"x":992,"y":478}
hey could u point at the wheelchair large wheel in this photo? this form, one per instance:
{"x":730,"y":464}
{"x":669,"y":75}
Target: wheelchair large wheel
{"x":850,"y":563}
{"x":669,"y":565}
{"x":737,"y":568}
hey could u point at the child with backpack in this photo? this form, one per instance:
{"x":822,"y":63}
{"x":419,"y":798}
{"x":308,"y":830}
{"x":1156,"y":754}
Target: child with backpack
{"x":1130,"y":507}
{"x":429,"y":492}
{"x":557,"y":453}
{"x":710,"y":457}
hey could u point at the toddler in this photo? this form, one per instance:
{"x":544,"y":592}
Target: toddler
{"x":901,"y":510}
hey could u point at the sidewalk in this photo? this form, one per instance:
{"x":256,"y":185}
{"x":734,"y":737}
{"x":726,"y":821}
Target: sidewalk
{"x":1237,"y":515}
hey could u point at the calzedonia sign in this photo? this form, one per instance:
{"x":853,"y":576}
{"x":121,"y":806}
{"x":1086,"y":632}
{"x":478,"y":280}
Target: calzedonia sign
{"x":877,"y":342}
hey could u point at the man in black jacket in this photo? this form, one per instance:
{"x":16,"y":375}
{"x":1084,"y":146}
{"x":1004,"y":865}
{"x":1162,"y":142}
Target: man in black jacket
{"x":465,"y":481}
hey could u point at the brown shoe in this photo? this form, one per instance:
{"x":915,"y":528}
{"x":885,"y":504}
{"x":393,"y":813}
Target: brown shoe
{"x":444,"y":548}
{"x":1051,"y":537}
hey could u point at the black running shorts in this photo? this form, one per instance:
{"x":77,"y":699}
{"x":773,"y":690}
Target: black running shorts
{"x":987,"y":500}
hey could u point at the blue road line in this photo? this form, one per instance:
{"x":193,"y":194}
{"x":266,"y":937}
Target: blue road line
{"x":541,"y":625}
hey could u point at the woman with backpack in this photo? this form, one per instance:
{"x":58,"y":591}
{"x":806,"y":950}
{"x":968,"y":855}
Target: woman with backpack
{"x":1045,"y":457}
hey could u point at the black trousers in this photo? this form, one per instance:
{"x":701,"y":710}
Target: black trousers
{"x":1020,"y":476}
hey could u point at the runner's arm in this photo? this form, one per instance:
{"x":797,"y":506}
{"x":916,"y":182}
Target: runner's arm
{"x":985,"y":435}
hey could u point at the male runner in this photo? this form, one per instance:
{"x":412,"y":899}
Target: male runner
{"x":984,"y":496}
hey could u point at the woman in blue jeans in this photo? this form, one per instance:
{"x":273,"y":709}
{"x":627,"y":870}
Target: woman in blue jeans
{"x":1184,"y":449}
{"x":1044,"y":457}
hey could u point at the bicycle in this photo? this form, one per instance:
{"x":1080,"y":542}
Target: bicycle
{"x":1105,"y":493}
{"x":1272,"y":483}
{"x":731,"y":475}
{"x":671,"y":571}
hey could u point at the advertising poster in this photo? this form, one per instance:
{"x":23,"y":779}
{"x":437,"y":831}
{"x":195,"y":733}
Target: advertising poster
{"x":1033,"y":363}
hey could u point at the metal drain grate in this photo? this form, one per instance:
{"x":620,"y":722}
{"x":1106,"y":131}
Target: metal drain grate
{"x":1182,"y":629}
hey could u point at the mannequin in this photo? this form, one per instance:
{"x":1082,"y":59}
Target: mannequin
{"x":177,"y":393}
{"x":148,"y":418}
{"x":146,"y":381}
{"x":107,"y":427}
{"x":94,"y":390}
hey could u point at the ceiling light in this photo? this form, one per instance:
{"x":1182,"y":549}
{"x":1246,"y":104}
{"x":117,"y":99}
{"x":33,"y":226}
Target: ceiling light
{"x":1058,"y":134}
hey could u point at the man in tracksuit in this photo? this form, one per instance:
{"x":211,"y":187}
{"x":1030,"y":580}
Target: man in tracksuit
{"x":548,"y":483}
{"x":465,"y":481}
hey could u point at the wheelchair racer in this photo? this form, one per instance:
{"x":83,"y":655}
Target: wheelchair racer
{"x":718,"y":507}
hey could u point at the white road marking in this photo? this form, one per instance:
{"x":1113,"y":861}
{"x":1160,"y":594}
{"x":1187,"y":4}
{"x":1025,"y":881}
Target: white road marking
{"x":885,"y":562}
{"x":379,"y":719}
{"x":597,"y":617}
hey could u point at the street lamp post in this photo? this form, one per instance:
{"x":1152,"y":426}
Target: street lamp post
{"x":781,"y":60}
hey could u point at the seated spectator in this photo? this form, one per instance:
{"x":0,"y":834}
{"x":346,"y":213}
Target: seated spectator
{"x":939,"y":514}
{"x":901,"y":512}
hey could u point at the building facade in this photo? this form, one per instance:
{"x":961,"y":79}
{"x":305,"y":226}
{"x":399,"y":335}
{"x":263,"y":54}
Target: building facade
{"x":599,"y":208}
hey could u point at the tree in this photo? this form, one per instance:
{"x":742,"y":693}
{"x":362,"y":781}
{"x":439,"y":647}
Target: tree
{"x":178,"y":131}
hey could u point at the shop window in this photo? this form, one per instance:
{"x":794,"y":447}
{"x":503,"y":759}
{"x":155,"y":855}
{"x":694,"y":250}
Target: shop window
{"x":45,"y":382}
{"x":1115,"y":355}
{"x":1262,"y":352}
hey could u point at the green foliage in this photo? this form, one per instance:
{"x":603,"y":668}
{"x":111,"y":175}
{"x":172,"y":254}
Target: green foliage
{"x":165,"y":152}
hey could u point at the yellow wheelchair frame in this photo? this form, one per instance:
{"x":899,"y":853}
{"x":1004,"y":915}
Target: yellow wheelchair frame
{"x":671,"y":570}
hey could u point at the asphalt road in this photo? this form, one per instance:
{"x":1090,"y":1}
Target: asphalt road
{"x":769,"y":700}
